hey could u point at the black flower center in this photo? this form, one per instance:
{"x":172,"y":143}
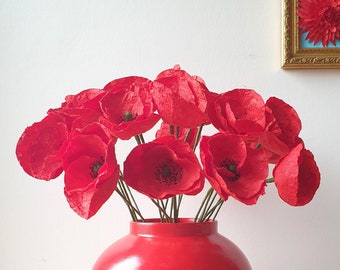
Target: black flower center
{"x":95,"y":166}
{"x":169,"y":173}
{"x":128,"y":116}
{"x":328,"y":14}
{"x":231,"y":166}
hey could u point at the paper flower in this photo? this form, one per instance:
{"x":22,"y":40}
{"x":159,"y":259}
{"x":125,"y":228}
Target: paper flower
{"x":127,"y":107}
{"x":238,"y":111}
{"x":232,"y":168}
{"x":164,"y":168}
{"x":91,"y":169}
{"x":297,"y":176}
{"x":176,"y":91}
{"x":38,"y":146}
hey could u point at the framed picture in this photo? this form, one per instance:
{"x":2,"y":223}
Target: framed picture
{"x":310,"y":34}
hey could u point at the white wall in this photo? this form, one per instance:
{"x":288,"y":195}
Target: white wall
{"x":50,"y":48}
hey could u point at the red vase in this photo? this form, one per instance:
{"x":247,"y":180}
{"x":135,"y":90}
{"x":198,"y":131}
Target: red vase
{"x":173,"y":246}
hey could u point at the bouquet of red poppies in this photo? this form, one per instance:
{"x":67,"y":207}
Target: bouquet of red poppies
{"x":80,"y":138}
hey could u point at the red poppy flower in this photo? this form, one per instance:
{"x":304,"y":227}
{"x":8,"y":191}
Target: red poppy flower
{"x":297,"y":176}
{"x":180,"y":98}
{"x":163,"y":168}
{"x":81,"y":109}
{"x":283,"y":121}
{"x":269,"y":143}
{"x":186,"y":134}
{"x":91,"y":170}
{"x":232,"y":168}
{"x":38,"y":146}
{"x":320,"y":19}
{"x":238,"y":111}
{"x":128,"y":108}
{"x":88,"y":99}
{"x":283,"y":126}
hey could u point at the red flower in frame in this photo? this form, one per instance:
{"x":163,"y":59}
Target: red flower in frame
{"x":239,"y":111}
{"x":181,"y":98}
{"x":297,"y":176}
{"x":232,"y":168}
{"x":37,"y":148}
{"x":91,"y":169}
{"x":128,"y":108}
{"x":320,"y":19}
{"x":164,"y":168}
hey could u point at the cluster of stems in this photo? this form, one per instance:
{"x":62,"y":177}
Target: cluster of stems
{"x":210,"y":206}
{"x":169,"y":208}
{"x":125,"y":193}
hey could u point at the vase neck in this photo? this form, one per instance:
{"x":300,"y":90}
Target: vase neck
{"x":185,"y":226}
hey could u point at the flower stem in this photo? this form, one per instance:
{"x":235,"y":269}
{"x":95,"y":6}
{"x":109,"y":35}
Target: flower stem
{"x":197,"y":137}
{"x":138,"y":140}
{"x":180,"y":197}
{"x":218,"y":209}
{"x":125,"y":192}
{"x":209,"y":207}
{"x":164,"y":206}
{"x":141,"y":138}
{"x":175,"y":208}
{"x":187,"y":135}
{"x":134,"y":211}
{"x":162,"y":210}
{"x":215,"y":209}
{"x":172,"y":130}
{"x":270,"y":180}
{"x":202,"y":208}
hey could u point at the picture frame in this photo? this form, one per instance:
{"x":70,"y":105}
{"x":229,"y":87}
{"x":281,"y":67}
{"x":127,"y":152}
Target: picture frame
{"x":297,"y":55}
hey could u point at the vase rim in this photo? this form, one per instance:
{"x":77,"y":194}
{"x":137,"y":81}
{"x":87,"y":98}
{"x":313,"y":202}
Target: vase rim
{"x":180,"y":221}
{"x":184,"y":226}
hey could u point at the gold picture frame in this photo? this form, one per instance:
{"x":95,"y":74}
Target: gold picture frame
{"x":293,"y":54}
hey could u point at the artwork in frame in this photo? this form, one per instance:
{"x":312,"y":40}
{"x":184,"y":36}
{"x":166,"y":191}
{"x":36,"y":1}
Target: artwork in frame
{"x":310,"y":34}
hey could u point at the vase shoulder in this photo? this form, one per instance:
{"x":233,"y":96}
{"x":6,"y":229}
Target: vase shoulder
{"x":172,"y":246}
